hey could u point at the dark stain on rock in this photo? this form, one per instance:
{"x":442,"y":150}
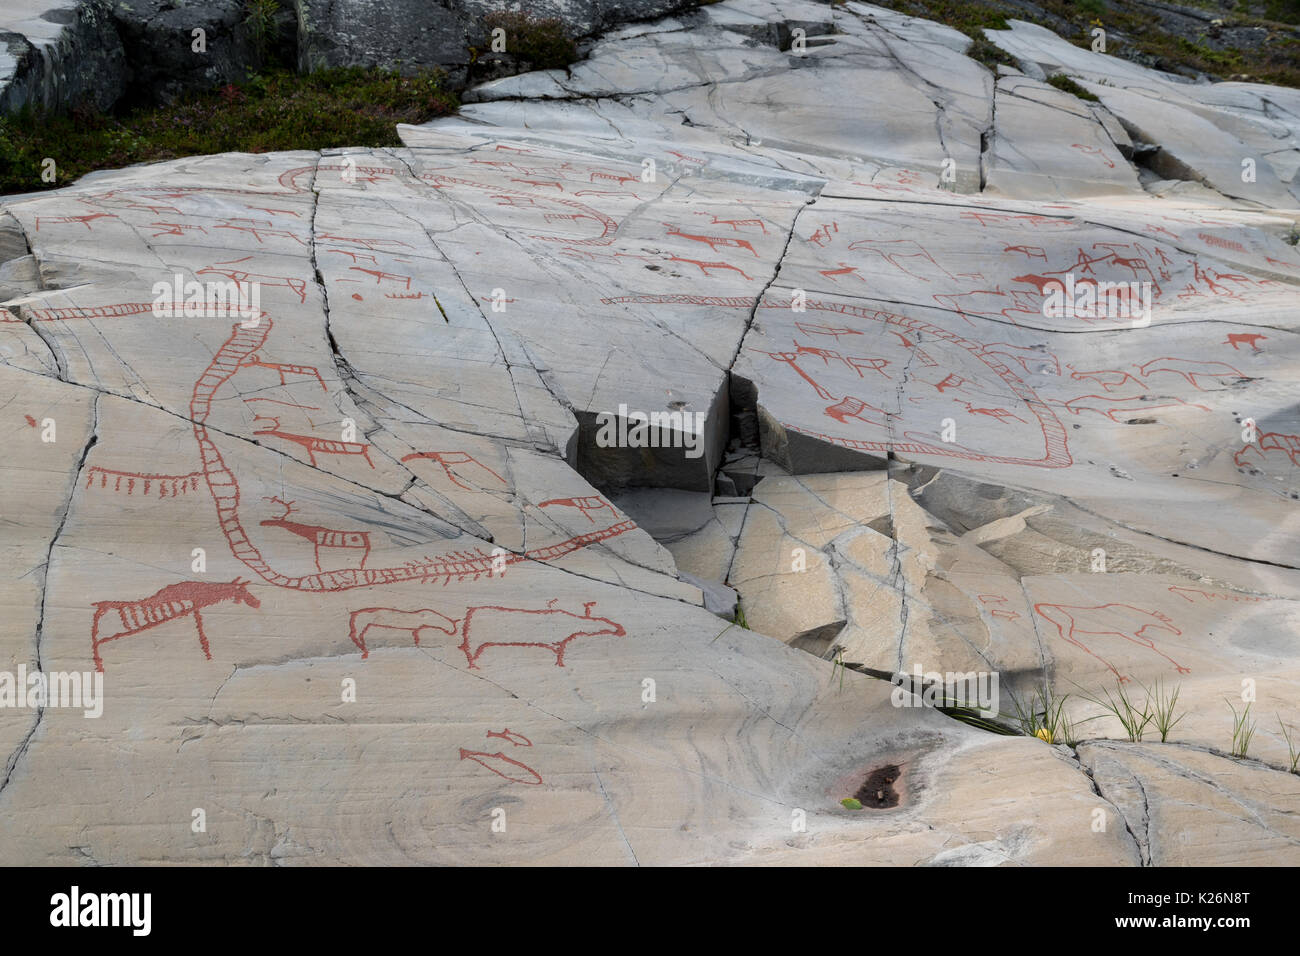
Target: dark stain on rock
{"x":877,"y":791}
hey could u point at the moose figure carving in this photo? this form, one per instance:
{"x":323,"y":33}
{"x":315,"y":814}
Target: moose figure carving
{"x":312,"y":445}
{"x":319,"y":536}
{"x":172,"y":602}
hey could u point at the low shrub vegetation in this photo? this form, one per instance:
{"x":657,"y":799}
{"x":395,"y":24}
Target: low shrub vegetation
{"x":273,"y":111}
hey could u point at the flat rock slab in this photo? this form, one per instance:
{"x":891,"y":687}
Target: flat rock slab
{"x":415,"y":524}
{"x":1188,"y":807}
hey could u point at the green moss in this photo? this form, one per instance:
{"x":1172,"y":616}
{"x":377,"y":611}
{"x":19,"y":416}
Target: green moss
{"x":850,"y":804}
{"x":1067,"y":85}
{"x":989,"y":54}
{"x":276,"y":111}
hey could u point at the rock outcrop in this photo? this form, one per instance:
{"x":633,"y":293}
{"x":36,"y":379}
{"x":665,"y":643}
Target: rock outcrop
{"x":390,"y":556}
{"x":57,"y":54}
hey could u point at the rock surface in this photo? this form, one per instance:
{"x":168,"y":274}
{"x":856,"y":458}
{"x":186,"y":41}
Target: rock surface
{"x":365,"y":580}
{"x":56,"y":54}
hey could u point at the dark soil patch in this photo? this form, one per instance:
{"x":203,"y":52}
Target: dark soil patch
{"x":877,"y":791}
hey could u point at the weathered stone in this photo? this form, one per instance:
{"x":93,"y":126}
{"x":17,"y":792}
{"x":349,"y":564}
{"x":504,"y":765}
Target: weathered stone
{"x":383,"y":546}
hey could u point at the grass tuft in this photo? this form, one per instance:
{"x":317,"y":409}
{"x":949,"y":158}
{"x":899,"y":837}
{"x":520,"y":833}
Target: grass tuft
{"x":1124,"y":708}
{"x":1243,"y":729}
{"x":1163,"y":703}
{"x":1043,"y":716}
{"x":1293,"y":754}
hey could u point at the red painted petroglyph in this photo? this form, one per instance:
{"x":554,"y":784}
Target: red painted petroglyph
{"x":704,"y":267}
{"x":164,"y":486}
{"x":1185,"y":594}
{"x":1001,"y":414}
{"x":258,"y":231}
{"x":587,"y":505}
{"x":355,"y":256}
{"x":1108,"y":379}
{"x":896,"y":251}
{"x":174,"y":229}
{"x":1094,"y":151}
{"x":693,"y":160}
{"x":1192,"y":370}
{"x":320,"y":537}
{"x":822,"y":236}
{"x":312,"y":445}
{"x":381,"y":276}
{"x":735,"y":224}
{"x":608,"y":226}
{"x":1112,"y":408}
{"x":1288,"y":445}
{"x":519,"y":740}
{"x":1013,"y":219}
{"x":1022,"y":355}
{"x":448,"y":458}
{"x":309,"y":371}
{"x":850,"y":407}
{"x":371,"y":244}
{"x":557,"y":619}
{"x":1029,"y":252}
{"x":811,"y":329}
{"x":1056,"y":451}
{"x":613,"y":177}
{"x":1236,"y":339}
{"x":1110,"y":620}
{"x":538,"y":621}
{"x":388,"y":618}
{"x":85,"y":220}
{"x":503,"y":766}
{"x":276,"y":401}
{"x":991,"y":302}
{"x":167,"y":604}
{"x":791,"y":359}
{"x":844,"y":270}
{"x":1221,"y":243}
{"x":713,"y":242}
{"x":242,"y":279}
